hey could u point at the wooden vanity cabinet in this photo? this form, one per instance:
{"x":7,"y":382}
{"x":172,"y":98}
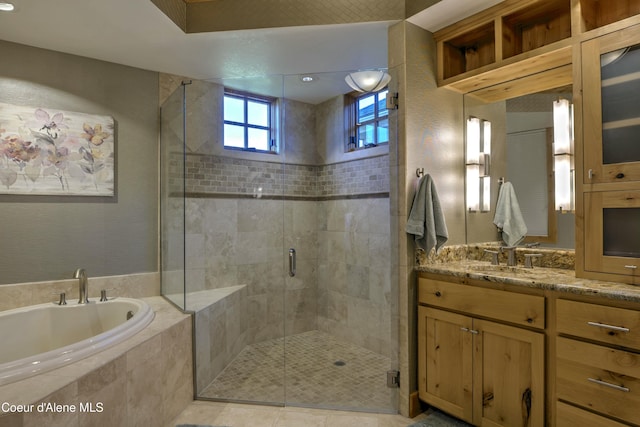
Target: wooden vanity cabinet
{"x":597,"y":364}
{"x":477,"y":360}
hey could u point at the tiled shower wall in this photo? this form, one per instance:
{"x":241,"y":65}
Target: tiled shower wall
{"x":211,"y":175}
{"x":335,"y":216}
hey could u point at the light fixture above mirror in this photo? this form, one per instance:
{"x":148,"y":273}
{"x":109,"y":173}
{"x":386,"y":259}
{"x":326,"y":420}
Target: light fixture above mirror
{"x":563,"y":154}
{"x":478,"y":165}
{"x":6,"y":7}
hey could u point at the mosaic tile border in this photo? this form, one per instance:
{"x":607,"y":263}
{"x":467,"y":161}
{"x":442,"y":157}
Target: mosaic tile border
{"x":209,"y":174}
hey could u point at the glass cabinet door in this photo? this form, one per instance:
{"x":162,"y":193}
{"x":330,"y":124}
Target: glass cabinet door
{"x":611,"y":83}
{"x":613,"y":245}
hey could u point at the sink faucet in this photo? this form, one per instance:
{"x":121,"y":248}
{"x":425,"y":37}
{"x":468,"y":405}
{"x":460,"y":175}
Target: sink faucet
{"x":83,"y":285}
{"x":511,"y":255}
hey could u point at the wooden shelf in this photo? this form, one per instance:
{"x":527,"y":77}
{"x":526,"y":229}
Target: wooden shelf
{"x":520,"y":38}
{"x":538,"y":25}
{"x":598,"y":13}
{"x":541,"y":60}
{"x":469,"y":51}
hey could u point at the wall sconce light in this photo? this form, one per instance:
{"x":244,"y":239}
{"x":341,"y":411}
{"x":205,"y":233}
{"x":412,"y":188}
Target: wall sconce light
{"x":563,"y":167}
{"x":368,"y":81}
{"x":478,"y":165}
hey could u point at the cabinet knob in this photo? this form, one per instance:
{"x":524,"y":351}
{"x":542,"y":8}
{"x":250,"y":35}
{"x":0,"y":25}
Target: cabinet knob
{"x":438,"y":294}
{"x":620,"y":175}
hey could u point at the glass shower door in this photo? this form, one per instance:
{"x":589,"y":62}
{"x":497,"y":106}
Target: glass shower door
{"x":319,"y":336}
{"x":339,"y":344}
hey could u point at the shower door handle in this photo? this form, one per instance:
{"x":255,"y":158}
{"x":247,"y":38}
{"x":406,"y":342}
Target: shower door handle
{"x":292,"y":262}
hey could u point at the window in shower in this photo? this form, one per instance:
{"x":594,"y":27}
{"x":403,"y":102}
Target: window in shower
{"x":248,"y":122}
{"x":368,"y":120}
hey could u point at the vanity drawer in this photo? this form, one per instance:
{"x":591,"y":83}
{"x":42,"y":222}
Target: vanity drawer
{"x":570,"y":416}
{"x":508,"y":306}
{"x":610,"y":325}
{"x":600,"y":378}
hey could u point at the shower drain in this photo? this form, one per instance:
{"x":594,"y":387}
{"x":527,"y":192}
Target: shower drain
{"x":339,"y":363}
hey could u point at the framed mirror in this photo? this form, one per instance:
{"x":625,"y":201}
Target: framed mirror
{"x":522,"y":153}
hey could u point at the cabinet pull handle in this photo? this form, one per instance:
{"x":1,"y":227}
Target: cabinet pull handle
{"x":590,"y":173}
{"x":632,"y":267}
{"x":605,"y":326}
{"x":620,"y":176}
{"x":606,"y":384}
{"x":463,"y":329}
{"x":473,"y":331}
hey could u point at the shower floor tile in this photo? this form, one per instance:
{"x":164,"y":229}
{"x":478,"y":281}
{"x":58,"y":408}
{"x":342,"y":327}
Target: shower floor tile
{"x":321,"y":371}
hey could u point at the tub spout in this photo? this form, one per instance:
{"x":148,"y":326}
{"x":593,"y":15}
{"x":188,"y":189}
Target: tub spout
{"x":83,"y":285}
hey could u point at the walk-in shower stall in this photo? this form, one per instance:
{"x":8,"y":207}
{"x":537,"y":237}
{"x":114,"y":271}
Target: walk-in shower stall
{"x":280,"y":242}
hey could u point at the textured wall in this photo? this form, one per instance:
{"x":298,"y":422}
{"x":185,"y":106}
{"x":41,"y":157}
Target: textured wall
{"x":46,"y":237}
{"x":430,"y":137}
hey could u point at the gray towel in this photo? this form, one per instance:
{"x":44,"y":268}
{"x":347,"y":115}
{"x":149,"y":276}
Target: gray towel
{"x":426,"y":220}
{"x":508,"y":217}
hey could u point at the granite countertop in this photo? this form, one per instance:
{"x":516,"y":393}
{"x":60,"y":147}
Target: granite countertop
{"x":546,"y":278}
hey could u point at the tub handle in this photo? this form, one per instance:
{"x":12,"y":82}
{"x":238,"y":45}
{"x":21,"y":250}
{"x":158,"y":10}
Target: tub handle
{"x":63,"y":298}
{"x":103,"y":294}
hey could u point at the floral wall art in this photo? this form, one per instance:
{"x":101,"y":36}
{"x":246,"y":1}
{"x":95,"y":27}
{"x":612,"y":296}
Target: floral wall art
{"x":55,"y":152}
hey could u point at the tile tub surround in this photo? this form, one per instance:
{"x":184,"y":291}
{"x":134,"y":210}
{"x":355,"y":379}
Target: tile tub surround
{"x":32,"y":293}
{"x":145,"y":380}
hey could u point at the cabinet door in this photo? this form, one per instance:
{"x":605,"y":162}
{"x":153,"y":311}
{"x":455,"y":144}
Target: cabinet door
{"x":508,"y":376}
{"x":611,"y":111}
{"x":445,"y":355}
{"x":612,"y":244}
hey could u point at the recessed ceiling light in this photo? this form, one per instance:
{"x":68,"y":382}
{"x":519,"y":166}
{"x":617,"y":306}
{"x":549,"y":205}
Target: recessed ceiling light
{"x":307,"y":79}
{"x":6,"y":6}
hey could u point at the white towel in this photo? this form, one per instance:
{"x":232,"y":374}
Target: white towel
{"x":508,"y":217}
{"x":426,"y":220}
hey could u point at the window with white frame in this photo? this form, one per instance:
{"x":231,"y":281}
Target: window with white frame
{"x":248,"y":122}
{"x":369,"y":120}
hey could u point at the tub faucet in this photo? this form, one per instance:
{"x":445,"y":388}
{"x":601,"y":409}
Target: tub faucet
{"x":83,"y":285}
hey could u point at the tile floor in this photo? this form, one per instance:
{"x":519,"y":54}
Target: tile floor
{"x":238,"y":415}
{"x":357,"y":381}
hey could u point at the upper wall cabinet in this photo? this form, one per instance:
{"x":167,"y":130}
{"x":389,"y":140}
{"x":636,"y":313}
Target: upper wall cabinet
{"x":610,"y":87}
{"x":517,"y":39}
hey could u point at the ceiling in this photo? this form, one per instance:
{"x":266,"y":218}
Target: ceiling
{"x":136,"y":33}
